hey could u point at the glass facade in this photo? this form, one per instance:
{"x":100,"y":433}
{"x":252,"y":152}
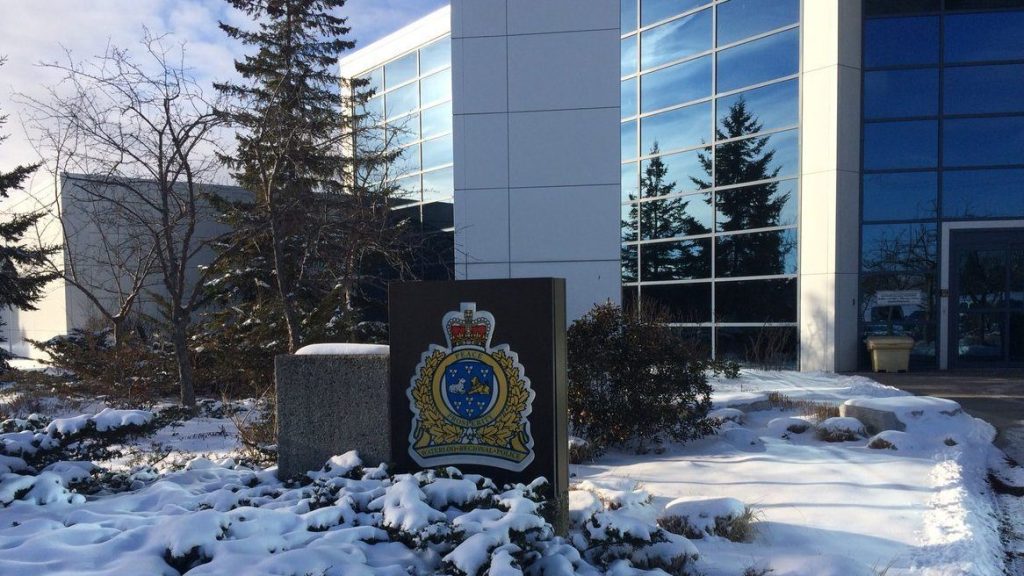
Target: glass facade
{"x":413,"y":103}
{"x":943,"y":140}
{"x":710,"y":169}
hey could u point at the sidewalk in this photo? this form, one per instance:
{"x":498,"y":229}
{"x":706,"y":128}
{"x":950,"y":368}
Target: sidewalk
{"x":996,"y":396}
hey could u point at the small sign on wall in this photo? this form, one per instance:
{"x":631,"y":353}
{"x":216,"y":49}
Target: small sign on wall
{"x":899,"y":298}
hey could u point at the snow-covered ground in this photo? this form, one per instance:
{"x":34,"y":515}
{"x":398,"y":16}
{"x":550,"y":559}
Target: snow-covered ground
{"x":819,"y":508}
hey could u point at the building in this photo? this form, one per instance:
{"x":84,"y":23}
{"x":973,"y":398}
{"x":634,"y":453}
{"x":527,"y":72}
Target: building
{"x":791,"y":176}
{"x":111,"y":256}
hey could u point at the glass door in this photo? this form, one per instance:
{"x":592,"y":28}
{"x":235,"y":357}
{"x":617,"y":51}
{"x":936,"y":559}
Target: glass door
{"x":987,"y":298}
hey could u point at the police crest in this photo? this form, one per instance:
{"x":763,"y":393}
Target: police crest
{"x":470,"y":401}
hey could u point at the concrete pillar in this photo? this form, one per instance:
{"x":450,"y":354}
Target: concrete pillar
{"x":535,"y":95}
{"x":830,"y":77}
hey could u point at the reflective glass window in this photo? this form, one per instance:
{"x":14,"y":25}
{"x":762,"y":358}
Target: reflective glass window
{"x":871,"y":284}
{"x":437,"y":119}
{"x":438,"y":184}
{"x":374,"y":108}
{"x":402,"y":100}
{"x":901,"y":144}
{"x":630,"y":213}
{"x":439,"y":214}
{"x":984,"y":89}
{"x":981,"y":4}
{"x":676,"y":84}
{"x":374,"y":78}
{"x":652,"y":11}
{"x":900,"y":196}
{"x":759,"y":206}
{"x":405,"y":130}
{"x":901,"y":41}
{"x":680,"y":128}
{"x":756,"y":254}
{"x":437,"y":151}
{"x":685,"y":260}
{"x":408,"y":160}
{"x":986,"y":36}
{"x":676,"y":39}
{"x":739,"y":19}
{"x":630,"y":181}
{"x":630,"y":295}
{"x":756,"y":301}
{"x":889,"y":7}
{"x":770,"y":107}
{"x":628,"y":261}
{"x":627,"y":16}
{"x":400,"y":71}
{"x":683,"y":302}
{"x":982,"y":193}
{"x":759,"y":61}
{"x":697,"y":339}
{"x":682,"y":172}
{"x":901,"y":93}
{"x":748,"y":345}
{"x":409,"y":188}
{"x":628,"y":56}
{"x":757,"y":158}
{"x":436,"y":87}
{"x":627,"y":98}
{"x":983,"y":141}
{"x":898,"y":247}
{"x":675,"y":217}
{"x":628,"y":140}
{"x":436,"y":55}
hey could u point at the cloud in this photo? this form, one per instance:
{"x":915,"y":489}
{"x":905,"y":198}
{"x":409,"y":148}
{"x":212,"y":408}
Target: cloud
{"x":41,"y":30}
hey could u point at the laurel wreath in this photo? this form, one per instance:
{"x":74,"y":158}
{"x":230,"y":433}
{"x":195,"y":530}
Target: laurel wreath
{"x":498,"y":433}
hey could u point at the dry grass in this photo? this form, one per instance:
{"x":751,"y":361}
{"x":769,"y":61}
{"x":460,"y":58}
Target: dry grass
{"x":257,"y":428}
{"x":821,"y":411}
{"x":743,"y":528}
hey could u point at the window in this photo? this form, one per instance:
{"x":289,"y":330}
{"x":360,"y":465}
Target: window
{"x":676,"y":84}
{"x":675,"y":40}
{"x":739,"y":19}
{"x":759,"y":61}
{"x":400,"y":71}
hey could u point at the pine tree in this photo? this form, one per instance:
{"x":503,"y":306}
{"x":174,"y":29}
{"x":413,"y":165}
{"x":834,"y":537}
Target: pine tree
{"x":22,"y":267}
{"x":757,"y":206}
{"x":663,"y":218}
{"x":319,"y":222}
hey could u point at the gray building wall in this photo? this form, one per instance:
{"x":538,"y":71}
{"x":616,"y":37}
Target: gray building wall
{"x":536,"y":123}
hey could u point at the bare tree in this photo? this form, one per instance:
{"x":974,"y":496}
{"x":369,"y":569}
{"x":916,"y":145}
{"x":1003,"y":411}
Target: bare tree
{"x":141,"y":136}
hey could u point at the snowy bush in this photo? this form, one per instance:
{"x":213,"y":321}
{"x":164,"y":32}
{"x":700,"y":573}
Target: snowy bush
{"x":632,"y":379}
{"x":892,"y":440}
{"x":788,"y":425}
{"x":841,"y":429}
{"x":725,"y":517}
{"x":723,"y":415}
{"x":579,"y":450}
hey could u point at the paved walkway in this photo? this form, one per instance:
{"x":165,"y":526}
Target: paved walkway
{"x":995,"y":396}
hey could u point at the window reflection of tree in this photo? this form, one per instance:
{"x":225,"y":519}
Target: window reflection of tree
{"x":658,"y":217}
{"x":750,"y":207}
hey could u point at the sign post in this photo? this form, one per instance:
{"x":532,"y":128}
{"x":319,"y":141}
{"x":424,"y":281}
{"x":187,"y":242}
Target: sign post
{"x":478,"y":380}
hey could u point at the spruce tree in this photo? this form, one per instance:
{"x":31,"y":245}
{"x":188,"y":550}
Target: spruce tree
{"x":318,"y":228}
{"x":23,"y":274}
{"x":748,"y":208}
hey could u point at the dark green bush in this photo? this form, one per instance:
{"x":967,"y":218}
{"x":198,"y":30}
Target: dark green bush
{"x":633,"y":380}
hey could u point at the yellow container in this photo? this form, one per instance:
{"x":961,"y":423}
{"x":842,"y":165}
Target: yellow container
{"x":890,"y":353}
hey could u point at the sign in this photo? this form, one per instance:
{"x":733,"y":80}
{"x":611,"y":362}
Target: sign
{"x":470,"y":402}
{"x":898,"y":298}
{"x":478,"y":378}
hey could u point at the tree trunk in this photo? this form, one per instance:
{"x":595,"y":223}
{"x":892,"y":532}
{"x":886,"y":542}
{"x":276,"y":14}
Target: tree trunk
{"x":290,"y":317}
{"x":184,"y":360}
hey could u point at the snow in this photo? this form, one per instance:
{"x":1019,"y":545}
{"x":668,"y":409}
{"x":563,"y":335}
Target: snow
{"x":189,"y":501}
{"x":344,"y":349}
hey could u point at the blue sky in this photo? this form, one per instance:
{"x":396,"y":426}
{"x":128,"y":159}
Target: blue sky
{"x":33,"y":31}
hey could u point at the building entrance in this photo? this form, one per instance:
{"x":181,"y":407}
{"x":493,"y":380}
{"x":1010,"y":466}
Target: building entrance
{"x":986,"y":297}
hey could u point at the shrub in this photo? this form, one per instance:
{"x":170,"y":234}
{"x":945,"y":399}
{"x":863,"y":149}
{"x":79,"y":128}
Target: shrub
{"x":631,"y":379}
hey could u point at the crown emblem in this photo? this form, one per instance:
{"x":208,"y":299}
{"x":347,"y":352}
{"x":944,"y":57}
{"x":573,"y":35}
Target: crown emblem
{"x":468,"y":328}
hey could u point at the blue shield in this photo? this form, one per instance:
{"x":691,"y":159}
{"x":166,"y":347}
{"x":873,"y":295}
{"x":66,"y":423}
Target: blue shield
{"x":469,"y":388}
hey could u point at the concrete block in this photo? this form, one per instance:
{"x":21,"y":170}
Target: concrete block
{"x":328,"y":405}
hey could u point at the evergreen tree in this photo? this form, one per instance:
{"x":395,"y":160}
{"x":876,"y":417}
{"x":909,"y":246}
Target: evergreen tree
{"x":663,"y":217}
{"x":23,"y":274}
{"x":752,"y":207}
{"x":301,"y":247}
